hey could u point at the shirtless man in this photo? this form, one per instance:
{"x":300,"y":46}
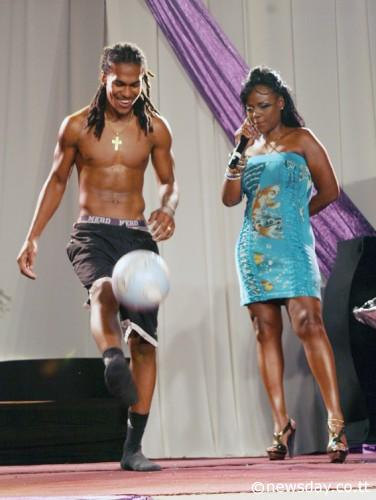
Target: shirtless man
{"x":110,"y":143}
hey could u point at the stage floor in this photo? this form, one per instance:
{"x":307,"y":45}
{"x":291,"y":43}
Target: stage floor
{"x":302,"y":474}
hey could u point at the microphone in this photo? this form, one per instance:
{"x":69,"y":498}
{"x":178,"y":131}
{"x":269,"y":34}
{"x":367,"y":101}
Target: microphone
{"x":237,"y":153}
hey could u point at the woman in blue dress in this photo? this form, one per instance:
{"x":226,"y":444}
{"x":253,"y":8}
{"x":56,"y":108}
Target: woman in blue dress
{"x":275,"y":253}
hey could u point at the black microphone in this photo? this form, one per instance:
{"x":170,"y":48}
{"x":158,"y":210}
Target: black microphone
{"x":238,"y":151}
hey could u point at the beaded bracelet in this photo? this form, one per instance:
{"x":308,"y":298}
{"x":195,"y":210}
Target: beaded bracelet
{"x":232,"y":174}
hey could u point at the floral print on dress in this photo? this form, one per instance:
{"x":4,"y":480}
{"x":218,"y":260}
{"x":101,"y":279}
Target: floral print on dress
{"x":264,"y":218}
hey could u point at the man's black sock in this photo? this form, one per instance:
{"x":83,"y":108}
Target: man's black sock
{"x":135,"y":431}
{"x":133,"y":458}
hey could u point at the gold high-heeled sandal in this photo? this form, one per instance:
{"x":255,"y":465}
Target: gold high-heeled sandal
{"x":337,"y":450}
{"x":278,"y":450}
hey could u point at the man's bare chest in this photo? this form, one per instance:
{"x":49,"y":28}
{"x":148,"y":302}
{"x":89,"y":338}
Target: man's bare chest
{"x":130,"y":149}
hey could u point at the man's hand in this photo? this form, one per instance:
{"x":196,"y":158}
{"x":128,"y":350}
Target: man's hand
{"x":26,"y":258}
{"x":161,"y":225}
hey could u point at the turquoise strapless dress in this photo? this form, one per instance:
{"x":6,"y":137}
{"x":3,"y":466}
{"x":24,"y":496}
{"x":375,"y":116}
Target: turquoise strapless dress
{"x":275,"y":252}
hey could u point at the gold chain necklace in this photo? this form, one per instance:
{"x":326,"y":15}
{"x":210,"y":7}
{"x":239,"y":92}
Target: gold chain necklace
{"x":116,"y":141}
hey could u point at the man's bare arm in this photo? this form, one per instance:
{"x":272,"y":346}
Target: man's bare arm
{"x":51,"y":194}
{"x":162,"y":219}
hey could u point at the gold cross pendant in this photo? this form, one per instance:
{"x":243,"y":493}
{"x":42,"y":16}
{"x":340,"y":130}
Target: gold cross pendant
{"x":117,"y":142}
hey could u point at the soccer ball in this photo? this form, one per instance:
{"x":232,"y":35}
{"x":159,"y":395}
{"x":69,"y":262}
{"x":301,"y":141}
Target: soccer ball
{"x":140,"y":280}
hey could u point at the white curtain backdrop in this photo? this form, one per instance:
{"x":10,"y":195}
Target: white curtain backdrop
{"x":209,"y":399}
{"x":49,"y":67}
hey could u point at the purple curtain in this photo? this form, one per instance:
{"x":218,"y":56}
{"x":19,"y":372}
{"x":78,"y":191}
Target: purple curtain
{"x":339,"y":221}
{"x":217,"y":70}
{"x":207,"y":55}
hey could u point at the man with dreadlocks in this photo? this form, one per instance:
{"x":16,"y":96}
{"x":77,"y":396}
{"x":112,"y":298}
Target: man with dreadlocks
{"x":110,"y":143}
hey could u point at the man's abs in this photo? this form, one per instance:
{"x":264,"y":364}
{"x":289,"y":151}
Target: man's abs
{"x":113,"y":191}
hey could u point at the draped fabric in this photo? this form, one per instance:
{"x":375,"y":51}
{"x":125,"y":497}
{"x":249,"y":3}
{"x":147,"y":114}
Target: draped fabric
{"x":217,"y":69}
{"x":210,"y":59}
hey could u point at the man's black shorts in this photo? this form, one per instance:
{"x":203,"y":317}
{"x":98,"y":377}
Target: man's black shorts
{"x":94,"y":250}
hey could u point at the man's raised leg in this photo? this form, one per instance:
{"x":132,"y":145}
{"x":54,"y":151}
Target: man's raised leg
{"x":106,"y":331}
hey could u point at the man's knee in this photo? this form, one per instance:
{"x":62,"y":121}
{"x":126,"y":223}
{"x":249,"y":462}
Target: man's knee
{"x":101,"y":291}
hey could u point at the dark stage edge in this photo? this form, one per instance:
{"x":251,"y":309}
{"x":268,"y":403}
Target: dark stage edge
{"x":189,"y":476}
{"x":58,"y":411}
{"x":52,"y":432}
